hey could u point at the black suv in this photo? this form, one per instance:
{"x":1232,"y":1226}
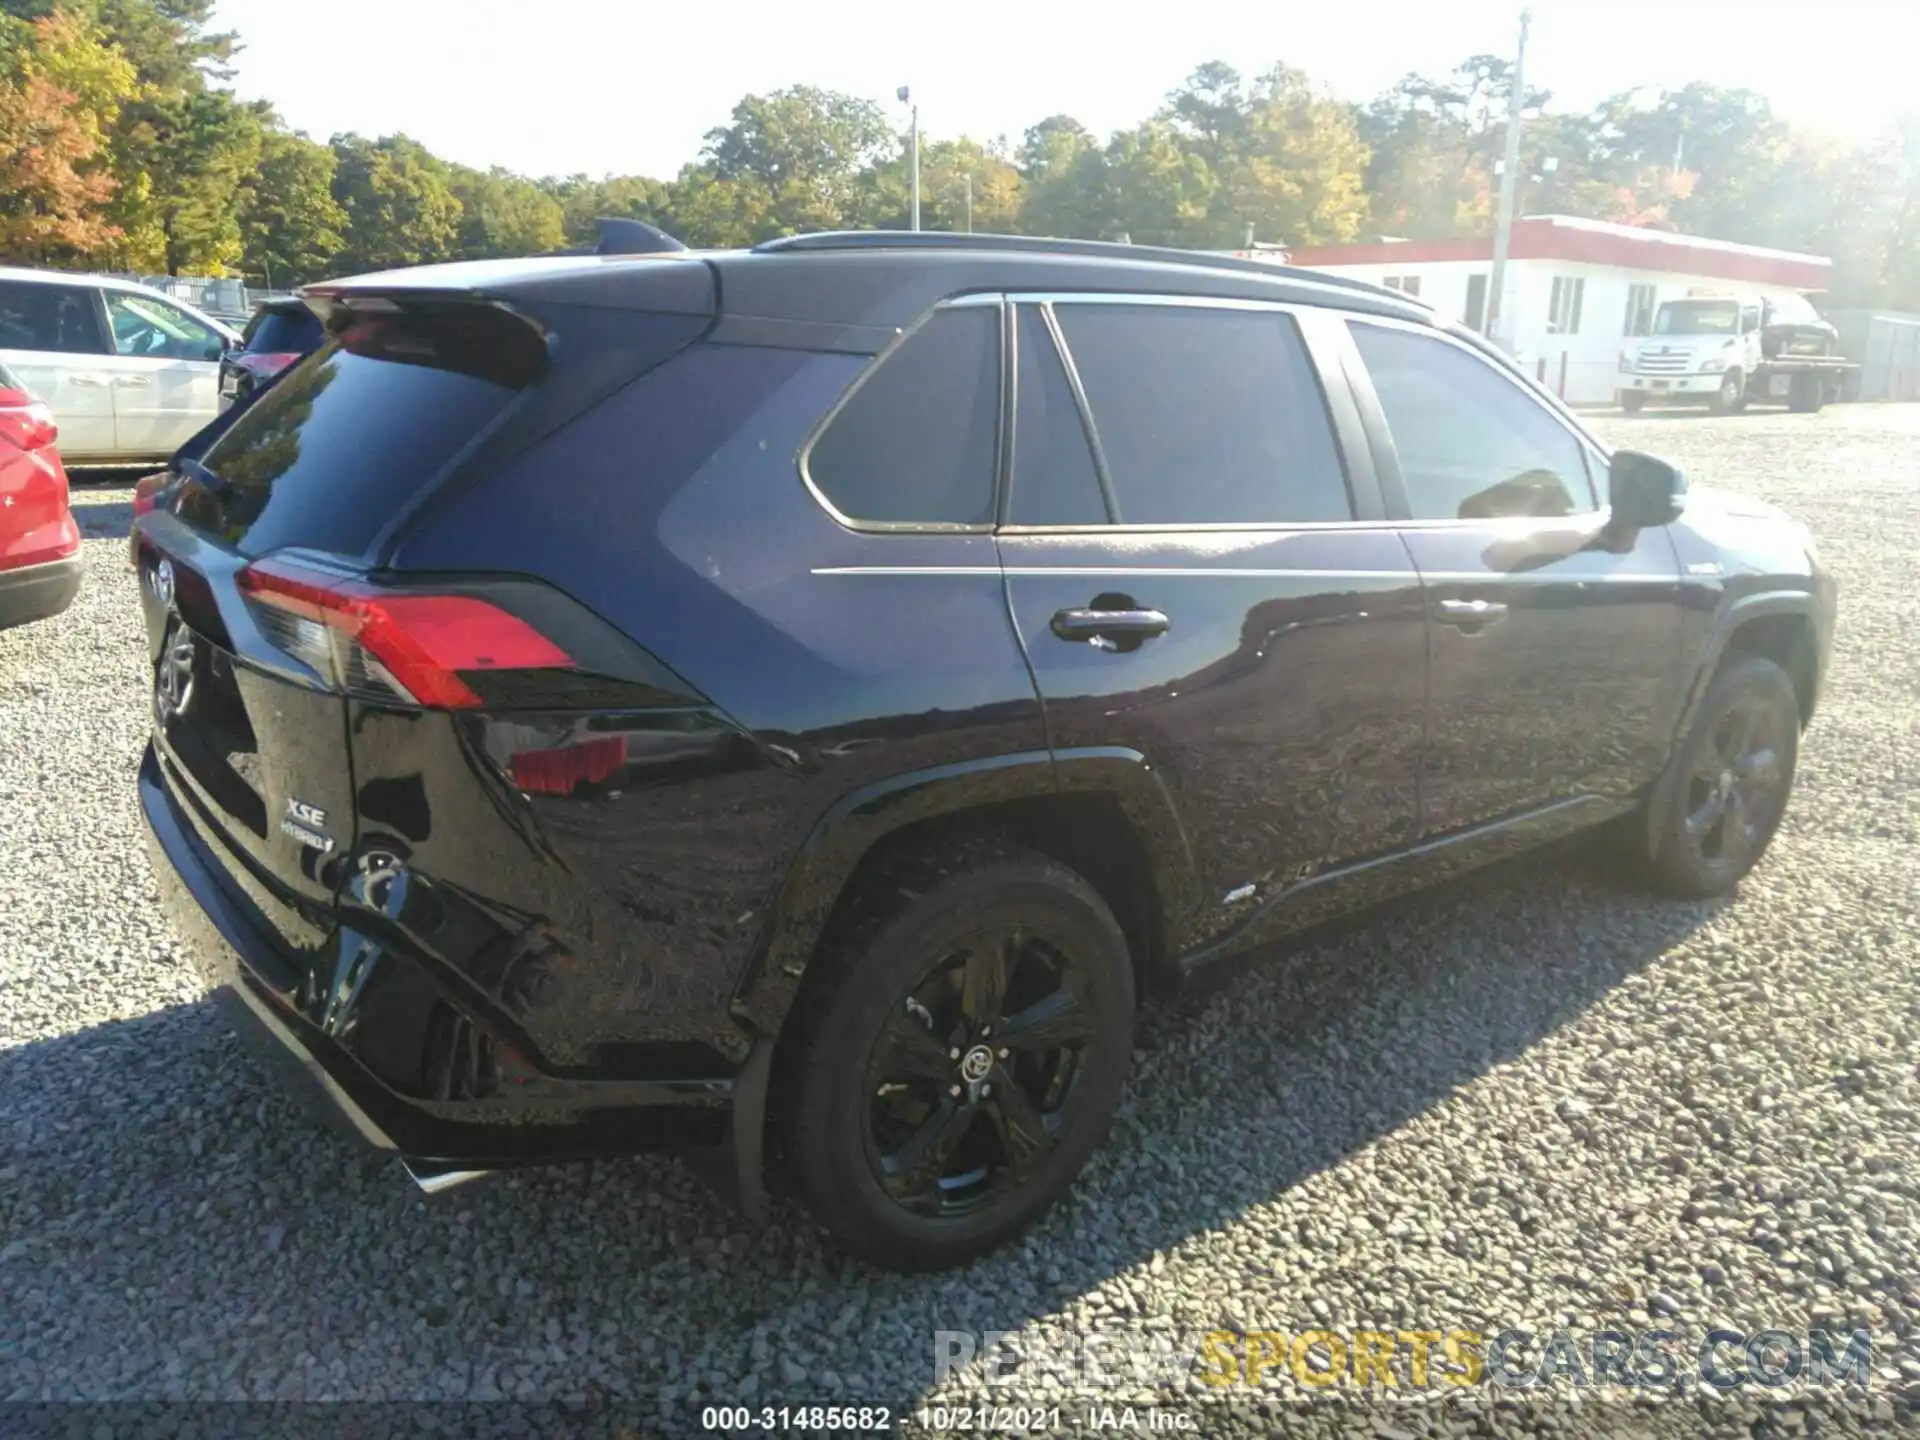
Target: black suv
{"x":799,"y":702}
{"x":281,"y":333}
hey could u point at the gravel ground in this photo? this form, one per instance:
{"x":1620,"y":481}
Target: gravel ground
{"x":1537,"y":1100}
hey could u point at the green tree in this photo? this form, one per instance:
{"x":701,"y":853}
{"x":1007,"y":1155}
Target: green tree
{"x":291,"y":224}
{"x":1154,"y":191}
{"x":1292,"y":167}
{"x":1063,"y":180}
{"x":949,"y":170}
{"x":399,"y":204}
{"x":798,"y":159}
{"x":583,"y":201}
{"x":503,"y":214}
{"x":193,"y":150}
{"x":709,"y":210}
{"x":1433,"y":144}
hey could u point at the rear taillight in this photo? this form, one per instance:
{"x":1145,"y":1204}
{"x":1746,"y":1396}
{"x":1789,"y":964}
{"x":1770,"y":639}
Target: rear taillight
{"x":409,"y":645}
{"x":25,"y":422}
{"x":268,"y":362}
{"x":146,"y":492}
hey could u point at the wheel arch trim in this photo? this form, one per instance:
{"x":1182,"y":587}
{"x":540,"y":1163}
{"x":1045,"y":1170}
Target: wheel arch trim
{"x":849,"y":830}
{"x":1732,"y":615}
{"x":1713,"y":650}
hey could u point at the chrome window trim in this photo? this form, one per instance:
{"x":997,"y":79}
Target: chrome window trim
{"x":1200,"y":527}
{"x":1103,"y":477}
{"x":1589,"y":448}
{"x":804,"y":456}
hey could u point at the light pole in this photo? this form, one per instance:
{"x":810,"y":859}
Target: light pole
{"x":968,"y":177}
{"x":1498,"y":330}
{"x":905,"y":92}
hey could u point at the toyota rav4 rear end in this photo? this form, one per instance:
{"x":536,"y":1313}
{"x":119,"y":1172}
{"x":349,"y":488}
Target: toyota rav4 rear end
{"x":346,"y":754}
{"x":501,"y":682}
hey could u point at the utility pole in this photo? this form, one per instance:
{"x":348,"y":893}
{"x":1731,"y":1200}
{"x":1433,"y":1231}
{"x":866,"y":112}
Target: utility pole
{"x":1498,"y":330}
{"x":968,"y":177}
{"x":905,"y":92}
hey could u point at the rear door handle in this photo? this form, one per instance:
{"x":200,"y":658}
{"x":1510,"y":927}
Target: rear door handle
{"x":1103,"y":629}
{"x":133,"y":382}
{"x":1470,"y":616}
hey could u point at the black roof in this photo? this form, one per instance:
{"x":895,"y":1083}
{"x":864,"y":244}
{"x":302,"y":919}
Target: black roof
{"x":876,"y":281}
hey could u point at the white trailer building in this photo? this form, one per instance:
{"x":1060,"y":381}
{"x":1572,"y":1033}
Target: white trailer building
{"x":1576,"y":289}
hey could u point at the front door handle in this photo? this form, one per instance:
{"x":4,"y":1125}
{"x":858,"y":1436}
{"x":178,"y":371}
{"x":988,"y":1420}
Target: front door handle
{"x":1470,"y":616}
{"x":1110,"y":629}
{"x":88,"y":381}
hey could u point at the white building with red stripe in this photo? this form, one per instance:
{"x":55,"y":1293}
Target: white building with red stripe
{"x":1575,"y":289}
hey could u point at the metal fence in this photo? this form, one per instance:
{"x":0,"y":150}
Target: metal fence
{"x":1886,"y":347}
{"x":218,"y":295}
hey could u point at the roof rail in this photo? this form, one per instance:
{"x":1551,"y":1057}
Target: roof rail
{"x":1047,"y":245}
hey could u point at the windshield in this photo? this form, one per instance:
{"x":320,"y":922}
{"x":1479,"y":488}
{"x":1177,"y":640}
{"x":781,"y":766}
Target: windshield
{"x":1793,"y":310}
{"x":1698,"y":317}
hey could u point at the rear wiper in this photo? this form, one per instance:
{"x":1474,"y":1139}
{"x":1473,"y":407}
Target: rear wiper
{"x":200,"y":475}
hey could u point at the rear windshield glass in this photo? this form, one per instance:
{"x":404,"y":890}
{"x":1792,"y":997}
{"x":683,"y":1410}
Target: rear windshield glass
{"x":333,"y":450}
{"x":285,"y":332}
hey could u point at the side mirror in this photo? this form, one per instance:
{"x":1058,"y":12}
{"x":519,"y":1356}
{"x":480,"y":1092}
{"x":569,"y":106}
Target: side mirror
{"x":1644,"y":491}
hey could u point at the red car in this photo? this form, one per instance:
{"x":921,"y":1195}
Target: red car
{"x":39,"y":540}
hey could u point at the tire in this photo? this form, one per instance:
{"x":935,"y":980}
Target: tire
{"x":1731,"y":397}
{"x":1808,"y":395}
{"x":1633,"y":401}
{"x":1720,"y":801}
{"x":913,"y":1127}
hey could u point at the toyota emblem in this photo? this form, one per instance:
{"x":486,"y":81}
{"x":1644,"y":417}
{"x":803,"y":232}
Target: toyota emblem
{"x":163,"y":583}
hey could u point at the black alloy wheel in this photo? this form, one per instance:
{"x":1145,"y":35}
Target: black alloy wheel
{"x":973,"y":1075}
{"x":958,"y":1055}
{"x":1727,"y":786}
{"x":1738,"y":785}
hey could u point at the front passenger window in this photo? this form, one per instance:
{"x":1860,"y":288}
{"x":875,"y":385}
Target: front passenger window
{"x":1472,"y":444}
{"x":154,"y":330}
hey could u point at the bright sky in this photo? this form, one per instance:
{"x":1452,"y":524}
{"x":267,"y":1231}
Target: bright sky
{"x":623,"y":87}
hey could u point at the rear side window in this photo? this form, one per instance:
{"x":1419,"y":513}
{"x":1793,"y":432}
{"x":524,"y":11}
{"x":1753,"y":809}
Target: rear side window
{"x":284,"y":332}
{"x":1206,"y":416}
{"x":60,"y":318}
{"x":1054,"y":482}
{"x":328,"y":455}
{"x":917,"y":441}
{"x":1472,"y":444}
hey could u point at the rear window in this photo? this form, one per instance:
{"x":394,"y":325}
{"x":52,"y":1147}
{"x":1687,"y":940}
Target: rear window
{"x":330,"y":453}
{"x":285,"y":332}
{"x":917,"y":442}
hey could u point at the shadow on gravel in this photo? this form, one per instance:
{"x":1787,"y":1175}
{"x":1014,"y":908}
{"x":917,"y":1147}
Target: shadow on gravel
{"x":102,"y":519}
{"x":155,"y":1182}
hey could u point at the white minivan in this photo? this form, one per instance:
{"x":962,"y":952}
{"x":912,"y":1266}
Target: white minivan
{"x":129,"y":373}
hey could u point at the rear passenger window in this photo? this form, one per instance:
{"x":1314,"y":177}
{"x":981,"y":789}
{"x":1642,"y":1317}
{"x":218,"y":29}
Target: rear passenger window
{"x":60,"y":318}
{"x":1054,"y":482}
{"x":1206,"y":416}
{"x":917,"y":442}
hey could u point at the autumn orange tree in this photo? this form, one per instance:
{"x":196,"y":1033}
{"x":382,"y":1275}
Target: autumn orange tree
{"x":61,"y":89}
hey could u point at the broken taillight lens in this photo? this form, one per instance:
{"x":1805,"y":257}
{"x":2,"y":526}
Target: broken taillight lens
{"x":410,"y":645}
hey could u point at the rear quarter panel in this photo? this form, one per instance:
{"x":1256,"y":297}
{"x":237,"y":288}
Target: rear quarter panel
{"x":832,"y":659}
